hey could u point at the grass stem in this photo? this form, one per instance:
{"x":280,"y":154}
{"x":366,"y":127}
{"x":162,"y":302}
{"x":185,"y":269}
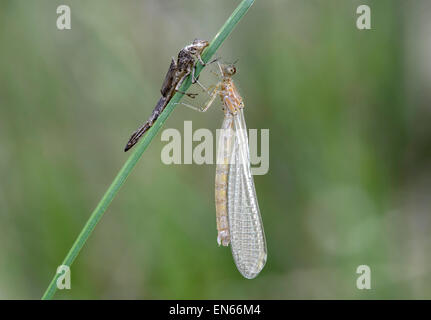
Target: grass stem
{"x":139,"y":149}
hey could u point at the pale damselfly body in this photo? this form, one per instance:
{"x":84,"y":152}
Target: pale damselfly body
{"x":239,"y":222}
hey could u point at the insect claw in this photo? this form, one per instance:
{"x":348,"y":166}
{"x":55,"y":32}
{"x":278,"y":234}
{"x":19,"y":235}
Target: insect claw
{"x":214,"y":60}
{"x":194,"y":80}
{"x":192,"y":95}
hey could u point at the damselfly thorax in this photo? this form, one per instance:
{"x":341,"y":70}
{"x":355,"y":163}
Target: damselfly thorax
{"x":230,"y":97}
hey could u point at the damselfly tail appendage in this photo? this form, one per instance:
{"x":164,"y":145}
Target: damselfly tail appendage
{"x":136,"y":136}
{"x":161,"y":105}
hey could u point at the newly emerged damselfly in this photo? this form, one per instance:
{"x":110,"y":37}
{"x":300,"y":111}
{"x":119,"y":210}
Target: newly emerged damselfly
{"x":239,"y":222}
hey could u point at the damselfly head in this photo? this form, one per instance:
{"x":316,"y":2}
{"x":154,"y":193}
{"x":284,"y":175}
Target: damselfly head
{"x":228,"y":70}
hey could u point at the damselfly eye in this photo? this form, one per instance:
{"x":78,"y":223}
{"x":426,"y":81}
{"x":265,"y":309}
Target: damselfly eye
{"x":231,"y":70}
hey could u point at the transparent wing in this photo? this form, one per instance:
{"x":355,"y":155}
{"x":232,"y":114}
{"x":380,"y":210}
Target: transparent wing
{"x":245,"y":223}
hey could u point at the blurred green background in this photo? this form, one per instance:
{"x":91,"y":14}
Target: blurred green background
{"x":349,"y":181}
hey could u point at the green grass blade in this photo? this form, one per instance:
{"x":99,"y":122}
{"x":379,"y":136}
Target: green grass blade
{"x":139,"y":149}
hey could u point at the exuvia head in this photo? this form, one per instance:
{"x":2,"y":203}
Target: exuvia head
{"x":197,"y":46}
